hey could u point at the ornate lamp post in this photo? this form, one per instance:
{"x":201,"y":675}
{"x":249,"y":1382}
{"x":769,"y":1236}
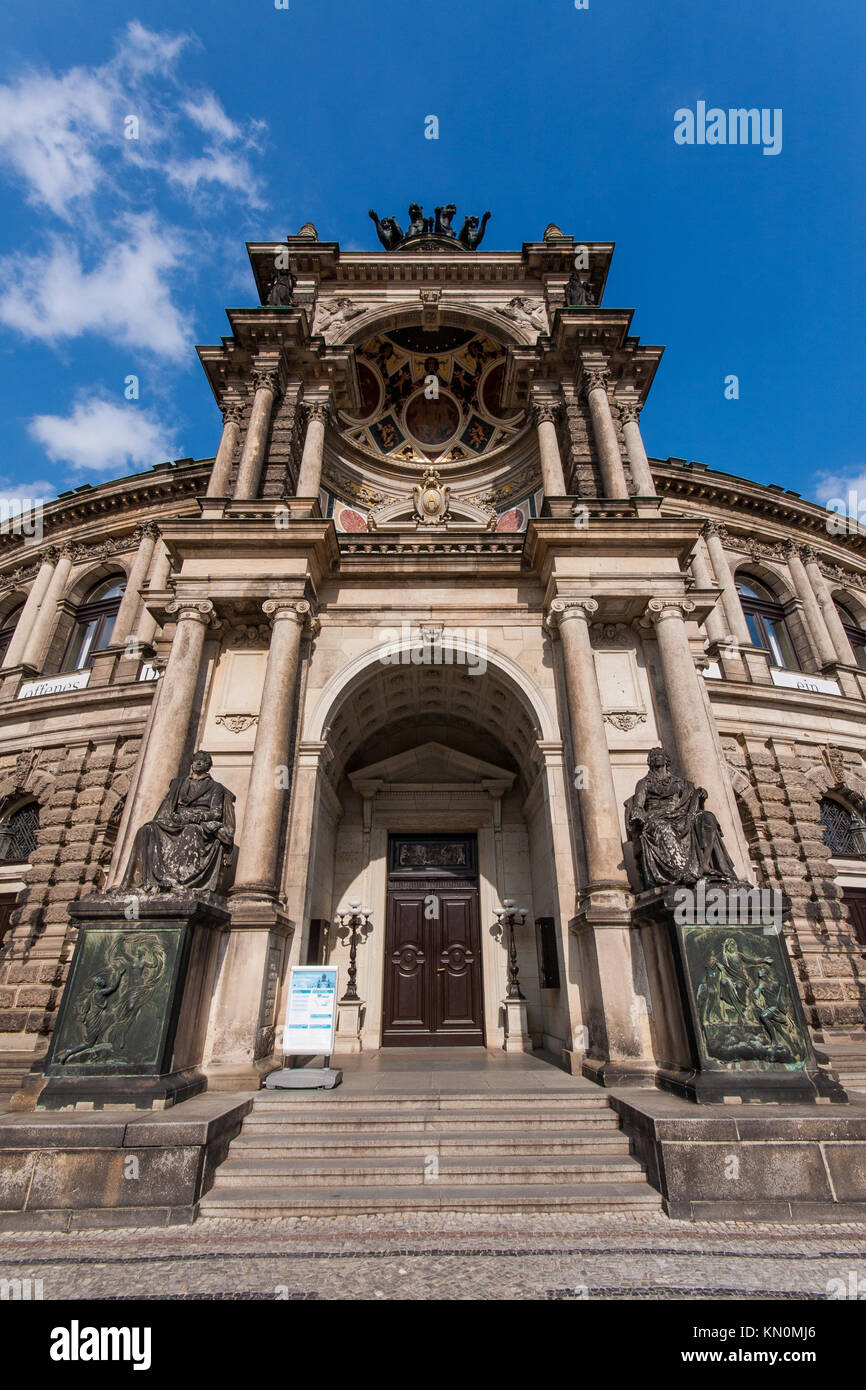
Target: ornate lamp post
{"x":351,"y":923}
{"x":509,"y":916}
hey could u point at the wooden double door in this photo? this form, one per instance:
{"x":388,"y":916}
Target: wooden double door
{"x":433,"y":995}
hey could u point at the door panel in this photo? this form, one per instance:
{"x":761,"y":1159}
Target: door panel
{"x":432,"y":991}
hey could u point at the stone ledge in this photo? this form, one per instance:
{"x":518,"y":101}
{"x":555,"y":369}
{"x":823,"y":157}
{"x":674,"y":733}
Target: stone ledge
{"x":793,"y":1163}
{"x":69,"y":1172}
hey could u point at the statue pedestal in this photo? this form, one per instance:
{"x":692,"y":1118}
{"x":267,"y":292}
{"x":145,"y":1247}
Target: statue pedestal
{"x":517,"y":1037}
{"x":730,"y":1025}
{"x":349,"y":1017}
{"x":131,"y":1025}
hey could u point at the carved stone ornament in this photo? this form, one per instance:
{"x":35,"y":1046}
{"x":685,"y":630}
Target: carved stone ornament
{"x":333,"y":313}
{"x":527,"y":313}
{"x":626,"y":719}
{"x":431,"y":499}
{"x":249,"y":637}
{"x":596,"y":379}
{"x":835,"y":764}
{"x":237,"y":723}
{"x":629,"y":411}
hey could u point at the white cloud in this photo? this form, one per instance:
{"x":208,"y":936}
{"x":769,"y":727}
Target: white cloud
{"x":50,"y":129}
{"x":64,"y":136}
{"x":18,"y":497}
{"x":829,"y":485}
{"x":218,"y":166}
{"x":126,"y":297}
{"x":104,"y":436}
{"x":209,"y":116}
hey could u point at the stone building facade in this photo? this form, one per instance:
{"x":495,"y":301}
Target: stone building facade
{"x":429,"y":607}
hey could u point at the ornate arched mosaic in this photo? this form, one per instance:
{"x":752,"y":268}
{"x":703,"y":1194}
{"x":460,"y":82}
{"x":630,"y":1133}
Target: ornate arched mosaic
{"x":432,"y":396}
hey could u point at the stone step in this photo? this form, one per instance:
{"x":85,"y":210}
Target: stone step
{"x":340,"y":1099}
{"x":500,"y":1169}
{"x":424,"y":1120}
{"x":457,"y":1143}
{"x":269,"y":1203}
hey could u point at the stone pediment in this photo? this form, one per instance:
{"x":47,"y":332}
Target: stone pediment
{"x":432,"y":765}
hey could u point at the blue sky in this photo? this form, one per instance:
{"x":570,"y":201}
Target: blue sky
{"x":118,"y":255}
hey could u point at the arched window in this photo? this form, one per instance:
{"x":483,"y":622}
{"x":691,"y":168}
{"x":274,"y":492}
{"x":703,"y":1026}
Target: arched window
{"x":856,"y":635}
{"x":94,"y":623}
{"x":18,"y":834}
{"x":844,"y":832}
{"x":765,"y":619}
{"x":10,"y":622}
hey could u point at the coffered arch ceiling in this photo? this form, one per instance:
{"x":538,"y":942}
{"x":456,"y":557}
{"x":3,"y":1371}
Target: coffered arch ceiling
{"x":477,"y":714}
{"x":431,"y":397}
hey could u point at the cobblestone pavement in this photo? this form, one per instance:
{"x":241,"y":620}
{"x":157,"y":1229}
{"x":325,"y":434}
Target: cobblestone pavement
{"x":452,"y":1256}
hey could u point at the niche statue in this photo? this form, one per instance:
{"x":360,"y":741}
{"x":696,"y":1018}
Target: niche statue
{"x":676,"y":840}
{"x":578,"y":293}
{"x":281,"y":294}
{"x":186,"y":846}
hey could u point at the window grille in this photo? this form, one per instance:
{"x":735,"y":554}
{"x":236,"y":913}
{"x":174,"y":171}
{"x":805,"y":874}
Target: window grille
{"x":18,"y":834}
{"x":843,"y":832}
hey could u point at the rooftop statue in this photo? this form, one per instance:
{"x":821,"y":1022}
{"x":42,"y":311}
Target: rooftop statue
{"x":187,"y":844}
{"x":676,"y":840}
{"x":419,"y":225}
{"x":281,"y":292}
{"x":392,"y":236}
{"x":389,"y":232}
{"x":472,"y":232}
{"x":443,"y":220}
{"x":578,"y":292}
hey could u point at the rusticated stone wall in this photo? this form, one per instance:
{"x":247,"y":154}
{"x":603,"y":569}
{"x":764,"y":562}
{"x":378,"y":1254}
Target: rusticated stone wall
{"x":779,"y":785}
{"x":80,"y":789}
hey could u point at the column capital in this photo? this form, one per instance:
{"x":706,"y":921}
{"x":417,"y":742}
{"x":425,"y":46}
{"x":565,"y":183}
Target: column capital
{"x":794,"y":549}
{"x":714,"y":528}
{"x":660,"y":608}
{"x":561,"y":609}
{"x":809,"y":555}
{"x":232,"y":412}
{"x":296,"y":610}
{"x":596,"y":377}
{"x":192,"y":610}
{"x":146,"y":528}
{"x":629,"y":411}
{"x":318,"y":410}
{"x":545,"y":412}
{"x":266,"y":379}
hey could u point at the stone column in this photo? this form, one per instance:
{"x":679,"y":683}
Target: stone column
{"x":253,"y":456}
{"x":157,"y":579}
{"x":737,"y":626}
{"x":553,"y":479}
{"x":698,"y":749}
{"x":705,"y":579}
{"x":599,"y":813}
{"x":610,"y":459}
{"x":38,"y":641}
{"x":27,"y":617}
{"x":310,"y":471}
{"x":174,"y":702}
{"x":218,"y":486}
{"x":128,"y":610}
{"x":822,"y":643}
{"x":615,"y":1016}
{"x":838,"y":635}
{"x":257,"y":866}
{"x":629,"y":414}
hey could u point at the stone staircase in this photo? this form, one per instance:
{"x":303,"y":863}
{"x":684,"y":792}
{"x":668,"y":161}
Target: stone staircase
{"x":847,"y":1056}
{"x":335,"y":1152}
